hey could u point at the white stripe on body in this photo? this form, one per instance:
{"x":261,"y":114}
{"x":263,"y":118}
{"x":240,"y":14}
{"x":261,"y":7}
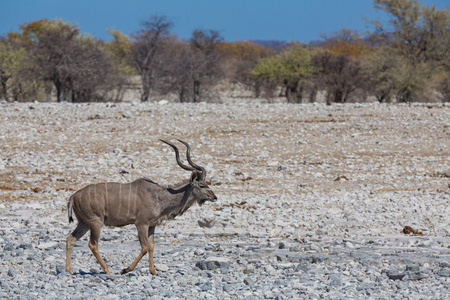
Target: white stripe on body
{"x":129,"y":199}
{"x":106,"y":191}
{"x":120,"y":201}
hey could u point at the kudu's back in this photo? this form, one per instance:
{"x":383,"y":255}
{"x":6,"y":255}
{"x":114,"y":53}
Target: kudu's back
{"x":112,"y":203}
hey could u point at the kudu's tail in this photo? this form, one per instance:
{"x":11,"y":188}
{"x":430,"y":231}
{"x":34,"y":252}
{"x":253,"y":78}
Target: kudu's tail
{"x":70,"y":209}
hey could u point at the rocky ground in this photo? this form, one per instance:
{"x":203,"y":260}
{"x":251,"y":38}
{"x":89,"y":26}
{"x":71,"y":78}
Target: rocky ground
{"x":313,"y":200}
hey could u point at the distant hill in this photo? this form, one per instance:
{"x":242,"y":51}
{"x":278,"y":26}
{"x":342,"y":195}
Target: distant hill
{"x":275,"y":45}
{"x":371,"y":41}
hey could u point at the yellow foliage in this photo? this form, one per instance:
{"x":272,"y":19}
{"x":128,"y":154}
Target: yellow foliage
{"x":120,"y":49}
{"x":244,"y":50}
{"x":355,"y":49}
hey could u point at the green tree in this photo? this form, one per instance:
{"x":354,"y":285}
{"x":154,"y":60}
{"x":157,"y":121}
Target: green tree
{"x":121,"y":51}
{"x":420,"y":33}
{"x":11,"y":59}
{"x":421,"y":36}
{"x":239,"y":59}
{"x":290,"y":69}
{"x":394,"y":78}
{"x":16,"y":82}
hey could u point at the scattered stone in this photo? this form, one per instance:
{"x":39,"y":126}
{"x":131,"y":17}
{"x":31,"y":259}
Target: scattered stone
{"x":162,"y":267}
{"x":395,"y":274}
{"x":17,"y":252}
{"x":206,"y":286}
{"x":230,"y":288}
{"x":335,"y":280}
{"x":26,"y":246}
{"x":206,"y":223}
{"x":248,"y":281}
{"x":8,"y":247}
{"x":443,"y":272}
{"x":213,"y":263}
{"x":412,"y":268}
{"x":12,"y":272}
{"x":416,"y":275}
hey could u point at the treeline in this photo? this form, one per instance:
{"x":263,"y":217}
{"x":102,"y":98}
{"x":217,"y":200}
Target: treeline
{"x":407,"y":59}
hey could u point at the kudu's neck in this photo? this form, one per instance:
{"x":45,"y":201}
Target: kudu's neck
{"x":180,"y":199}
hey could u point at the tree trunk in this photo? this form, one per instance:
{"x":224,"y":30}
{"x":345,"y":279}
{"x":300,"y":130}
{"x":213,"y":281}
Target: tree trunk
{"x":4,"y":88}
{"x":329,"y":98}
{"x":291,"y":94}
{"x":59,"y":91}
{"x":196,"y":91}
{"x":338,"y":95}
{"x":313,"y":95}
{"x":300,"y":94}
{"x":182,"y":95}
{"x":146,"y":85}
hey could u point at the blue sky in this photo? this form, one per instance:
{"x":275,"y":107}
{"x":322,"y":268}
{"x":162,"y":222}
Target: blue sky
{"x":287,"y":20}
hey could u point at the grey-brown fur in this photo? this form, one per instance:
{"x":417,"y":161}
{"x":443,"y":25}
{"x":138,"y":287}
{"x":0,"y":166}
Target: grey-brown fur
{"x":141,"y":202}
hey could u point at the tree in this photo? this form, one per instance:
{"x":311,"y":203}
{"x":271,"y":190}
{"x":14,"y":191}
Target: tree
{"x":339,"y":75}
{"x":120,"y":53}
{"x":206,"y":60}
{"x":421,"y":35}
{"x":291,"y":68}
{"x":393,"y":77}
{"x":347,"y":42}
{"x":147,"y":44}
{"x":74,"y":63}
{"x":189,"y":68}
{"x":18,"y":83}
{"x":239,"y":59}
{"x":11,"y":58}
{"x":176,"y":70}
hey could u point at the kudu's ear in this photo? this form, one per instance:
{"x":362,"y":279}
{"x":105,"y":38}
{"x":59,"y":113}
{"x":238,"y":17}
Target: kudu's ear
{"x":194,"y":177}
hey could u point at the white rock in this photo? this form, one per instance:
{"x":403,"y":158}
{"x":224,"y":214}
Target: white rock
{"x":47,"y":245}
{"x":162,"y":267}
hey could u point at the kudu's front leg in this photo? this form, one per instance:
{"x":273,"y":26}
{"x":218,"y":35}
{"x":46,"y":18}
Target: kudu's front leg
{"x":151,"y":246}
{"x":93,"y":245}
{"x":143,"y":239}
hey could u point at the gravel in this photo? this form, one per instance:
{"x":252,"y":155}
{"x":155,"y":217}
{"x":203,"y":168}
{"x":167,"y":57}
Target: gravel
{"x":312,"y":200}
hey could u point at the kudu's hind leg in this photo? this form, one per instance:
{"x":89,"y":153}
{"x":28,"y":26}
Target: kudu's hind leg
{"x":93,"y":245}
{"x":70,"y":242}
{"x":143,"y":239}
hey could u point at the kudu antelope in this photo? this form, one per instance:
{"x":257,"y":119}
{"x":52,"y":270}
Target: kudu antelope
{"x":141,"y":202}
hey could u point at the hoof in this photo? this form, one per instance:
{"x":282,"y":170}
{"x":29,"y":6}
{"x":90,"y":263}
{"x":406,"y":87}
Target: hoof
{"x":124,"y":271}
{"x":153,"y":272}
